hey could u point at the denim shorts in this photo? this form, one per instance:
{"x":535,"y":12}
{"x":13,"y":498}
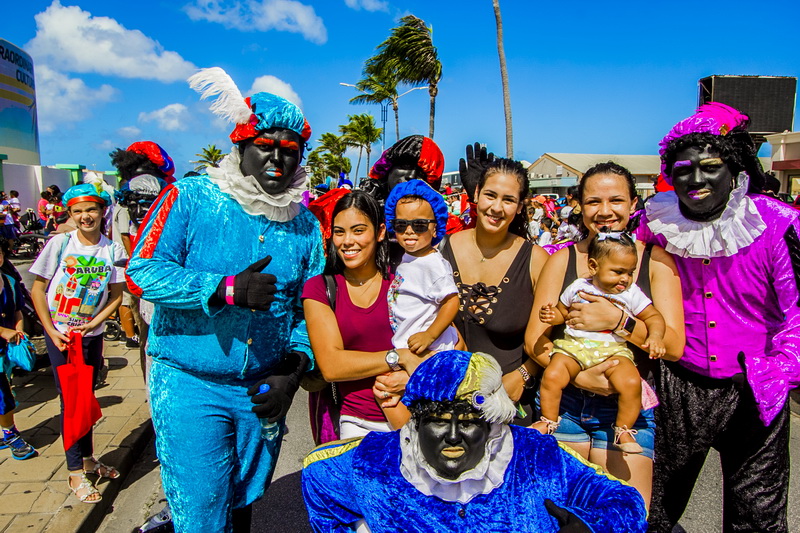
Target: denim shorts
{"x":587,"y":417}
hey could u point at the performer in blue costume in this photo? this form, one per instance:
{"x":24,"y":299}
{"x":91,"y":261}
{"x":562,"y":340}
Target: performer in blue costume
{"x":224,"y":257}
{"x":458,"y":466}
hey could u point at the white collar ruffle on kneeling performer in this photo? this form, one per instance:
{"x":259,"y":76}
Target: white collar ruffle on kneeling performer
{"x":739,"y":225}
{"x":248,"y":193}
{"x":487,"y":475}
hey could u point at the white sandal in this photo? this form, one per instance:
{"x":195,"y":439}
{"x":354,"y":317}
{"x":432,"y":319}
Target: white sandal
{"x":550,"y":426}
{"x":85,"y":485}
{"x":627,"y":447}
{"x":111,"y":472}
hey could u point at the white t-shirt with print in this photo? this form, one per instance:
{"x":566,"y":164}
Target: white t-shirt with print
{"x":419,"y":286}
{"x":78,"y":287}
{"x":633,"y":301}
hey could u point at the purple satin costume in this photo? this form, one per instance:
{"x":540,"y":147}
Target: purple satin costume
{"x":747,"y":302}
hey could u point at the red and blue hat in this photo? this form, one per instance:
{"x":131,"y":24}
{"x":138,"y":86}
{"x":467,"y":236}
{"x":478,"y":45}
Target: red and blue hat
{"x":86,"y":192}
{"x":157,"y":155}
{"x":251,"y":115}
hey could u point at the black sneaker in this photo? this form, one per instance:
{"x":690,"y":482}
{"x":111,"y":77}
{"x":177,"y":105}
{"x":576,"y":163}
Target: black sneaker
{"x":20,"y":450}
{"x":161,"y":522}
{"x":132,"y":342}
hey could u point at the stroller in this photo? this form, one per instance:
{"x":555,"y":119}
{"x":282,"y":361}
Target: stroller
{"x":31,"y":238}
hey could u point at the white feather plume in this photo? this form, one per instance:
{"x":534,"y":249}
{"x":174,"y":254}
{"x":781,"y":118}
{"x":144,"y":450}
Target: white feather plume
{"x":497,"y":406}
{"x":230,"y":103}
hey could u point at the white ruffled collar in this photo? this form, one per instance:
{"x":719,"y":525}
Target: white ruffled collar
{"x":487,"y":475}
{"x":739,"y":225}
{"x":248,"y":192}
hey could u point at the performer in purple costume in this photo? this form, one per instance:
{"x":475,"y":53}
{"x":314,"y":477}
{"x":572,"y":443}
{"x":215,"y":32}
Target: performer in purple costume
{"x":738,"y":255}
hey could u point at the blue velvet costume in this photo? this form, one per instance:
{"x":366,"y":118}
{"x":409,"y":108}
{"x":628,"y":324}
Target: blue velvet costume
{"x":205,"y":358}
{"x":346,"y":481}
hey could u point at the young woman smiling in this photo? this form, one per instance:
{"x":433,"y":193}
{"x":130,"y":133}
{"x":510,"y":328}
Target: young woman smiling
{"x":496,"y":270}
{"x":607,"y":199}
{"x":352,"y":343}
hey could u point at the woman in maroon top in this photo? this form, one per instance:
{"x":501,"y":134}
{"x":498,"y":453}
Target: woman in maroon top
{"x":351,"y":341}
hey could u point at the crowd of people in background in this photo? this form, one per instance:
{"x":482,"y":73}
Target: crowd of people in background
{"x":448,"y":336}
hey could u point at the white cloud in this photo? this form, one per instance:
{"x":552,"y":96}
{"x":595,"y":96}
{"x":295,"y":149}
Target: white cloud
{"x":262,"y":15}
{"x":368,"y":5}
{"x":129,"y":132}
{"x":63,"y":100}
{"x":173,"y":117}
{"x":271,"y":84}
{"x":105,"y":145}
{"x":70,"y":39}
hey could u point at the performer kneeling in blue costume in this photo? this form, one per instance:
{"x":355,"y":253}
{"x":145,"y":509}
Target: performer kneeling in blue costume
{"x":224,"y":258}
{"x":458,"y":466}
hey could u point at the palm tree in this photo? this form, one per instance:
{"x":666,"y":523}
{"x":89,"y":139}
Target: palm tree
{"x":209,"y":157}
{"x":316,"y":167}
{"x":504,"y":78}
{"x":378,"y":86}
{"x":329,"y":155}
{"x":409,"y":52}
{"x":361,"y":132}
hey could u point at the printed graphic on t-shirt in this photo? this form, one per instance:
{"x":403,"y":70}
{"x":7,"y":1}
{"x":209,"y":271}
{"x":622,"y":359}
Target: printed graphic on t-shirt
{"x":391,"y":296}
{"x":80,"y":289}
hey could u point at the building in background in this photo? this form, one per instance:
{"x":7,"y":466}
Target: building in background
{"x":555,"y":173}
{"x":786,"y":160}
{"x":19,"y":131}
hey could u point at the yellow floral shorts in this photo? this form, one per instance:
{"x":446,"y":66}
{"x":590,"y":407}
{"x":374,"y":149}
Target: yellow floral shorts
{"x":588,"y":352}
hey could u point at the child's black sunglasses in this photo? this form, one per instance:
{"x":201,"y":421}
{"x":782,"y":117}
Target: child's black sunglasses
{"x":418,"y":225}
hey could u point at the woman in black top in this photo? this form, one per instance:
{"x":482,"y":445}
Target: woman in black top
{"x":496,"y":270}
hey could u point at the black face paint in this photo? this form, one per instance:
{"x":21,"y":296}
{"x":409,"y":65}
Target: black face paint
{"x":403,"y":172}
{"x":272,"y":158}
{"x":453,"y":443}
{"x":702,"y":181}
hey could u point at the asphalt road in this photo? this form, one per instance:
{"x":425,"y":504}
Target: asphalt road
{"x":282,"y":510}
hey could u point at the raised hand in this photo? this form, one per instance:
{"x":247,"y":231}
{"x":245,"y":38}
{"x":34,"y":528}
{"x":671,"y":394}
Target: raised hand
{"x":470,"y":170}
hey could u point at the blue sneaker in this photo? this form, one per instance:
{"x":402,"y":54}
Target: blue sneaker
{"x":20,"y":450}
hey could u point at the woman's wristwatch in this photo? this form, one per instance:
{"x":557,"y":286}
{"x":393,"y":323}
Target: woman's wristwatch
{"x":526,"y":377}
{"x":393,"y":360}
{"x":625,"y":326}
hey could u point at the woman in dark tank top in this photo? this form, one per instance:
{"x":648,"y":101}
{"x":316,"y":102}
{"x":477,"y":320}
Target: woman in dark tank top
{"x":495,"y":269}
{"x":607,"y":195}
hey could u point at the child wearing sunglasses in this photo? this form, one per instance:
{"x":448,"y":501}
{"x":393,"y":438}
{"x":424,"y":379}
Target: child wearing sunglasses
{"x":612,"y":262}
{"x":423,"y":296}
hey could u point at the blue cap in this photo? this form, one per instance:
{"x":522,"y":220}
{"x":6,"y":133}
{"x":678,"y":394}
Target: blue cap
{"x":422,"y":189}
{"x":86,"y":192}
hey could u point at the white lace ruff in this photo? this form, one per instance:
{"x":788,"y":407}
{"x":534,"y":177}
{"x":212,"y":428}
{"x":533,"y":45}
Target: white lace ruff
{"x":738,"y":226}
{"x":487,"y":475}
{"x":248,"y":192}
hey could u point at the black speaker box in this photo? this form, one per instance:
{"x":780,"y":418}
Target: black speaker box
{"x":769,"y":101}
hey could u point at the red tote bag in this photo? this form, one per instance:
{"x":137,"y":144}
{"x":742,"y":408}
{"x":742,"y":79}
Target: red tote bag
{"x":81,"y":409}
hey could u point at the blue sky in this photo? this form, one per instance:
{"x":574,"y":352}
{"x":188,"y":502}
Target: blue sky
{"x":587,"y":77}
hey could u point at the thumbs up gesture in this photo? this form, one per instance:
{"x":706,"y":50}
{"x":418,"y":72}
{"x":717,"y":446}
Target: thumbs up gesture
{"x":250,"y":288}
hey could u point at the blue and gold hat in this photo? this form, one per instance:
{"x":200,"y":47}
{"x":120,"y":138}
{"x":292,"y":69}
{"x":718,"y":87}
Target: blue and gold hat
{"x":455,"y":375}
{"x":86,"y":192}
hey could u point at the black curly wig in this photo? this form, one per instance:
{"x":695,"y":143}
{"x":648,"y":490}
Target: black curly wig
{"x":424,"y":408}
{"x":736,"y":149}
{"x":131,"y":164}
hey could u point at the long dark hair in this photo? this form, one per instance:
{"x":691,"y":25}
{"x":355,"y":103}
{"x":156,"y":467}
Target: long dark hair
{"x":519,"y":226}
{"x":367,"y":205}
